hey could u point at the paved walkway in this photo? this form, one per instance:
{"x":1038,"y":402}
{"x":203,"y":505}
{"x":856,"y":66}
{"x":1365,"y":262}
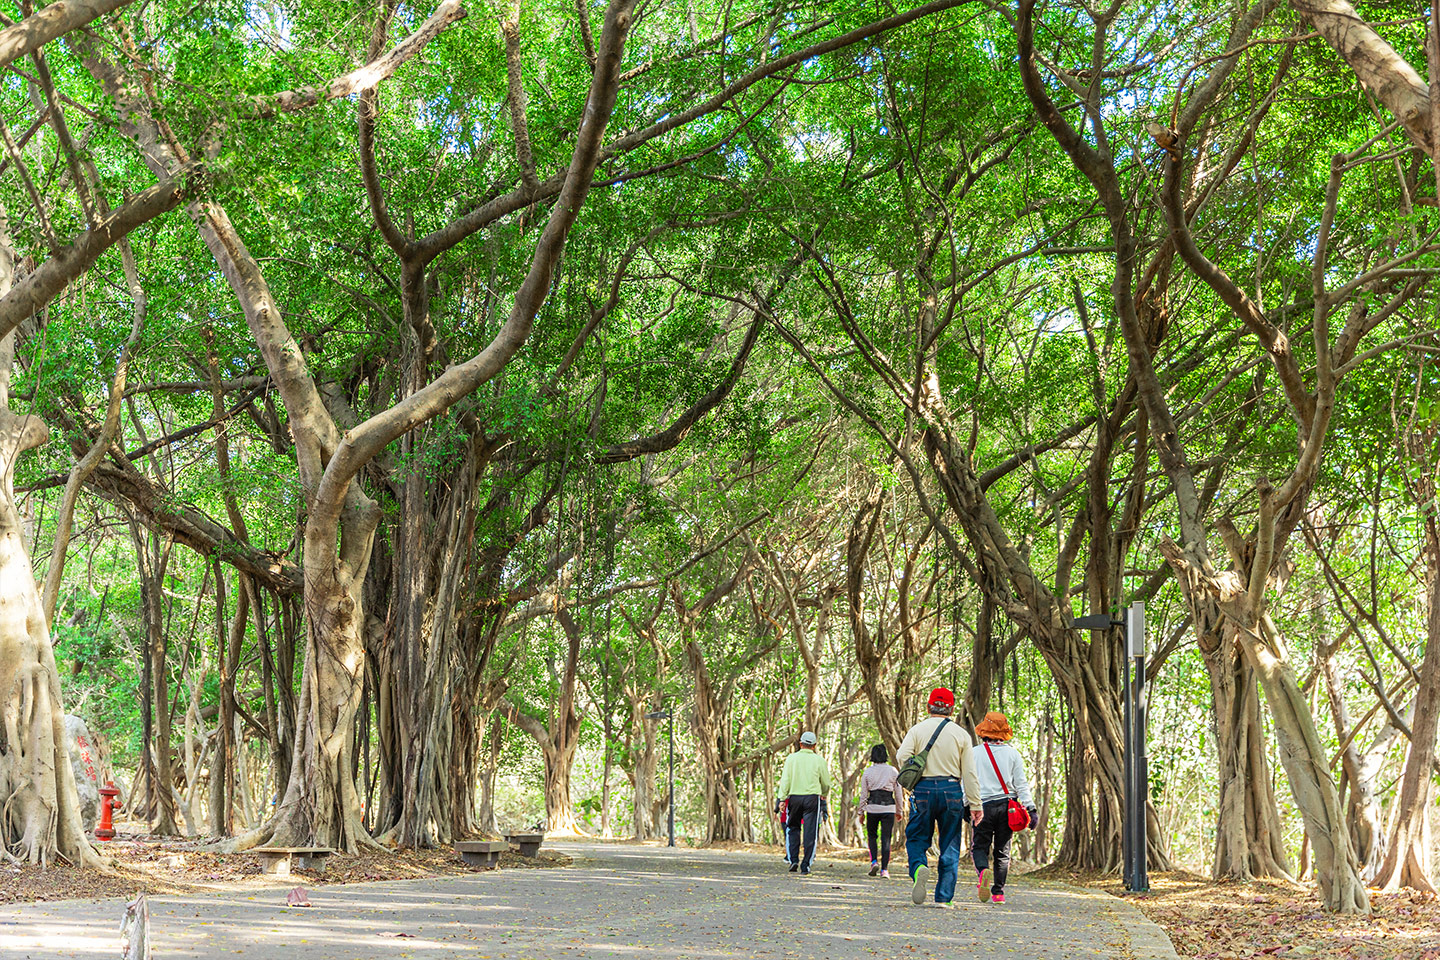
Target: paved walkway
{"x":625,"y":902}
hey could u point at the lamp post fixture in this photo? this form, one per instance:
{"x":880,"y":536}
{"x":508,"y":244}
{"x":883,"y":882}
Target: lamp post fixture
{"x":1137,"y":777}
{"x":668,"y":714}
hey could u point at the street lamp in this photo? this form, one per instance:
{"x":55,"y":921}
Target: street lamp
{"x":668,"y":714}
{"x":1137,"y":777}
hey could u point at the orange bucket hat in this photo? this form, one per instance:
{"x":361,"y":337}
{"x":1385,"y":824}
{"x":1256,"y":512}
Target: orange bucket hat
{"x":994,"y":727}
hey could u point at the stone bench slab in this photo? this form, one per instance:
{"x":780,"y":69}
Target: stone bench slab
{"x":280,"y":860}
{"x":481,"y":853}
{"x":527,"y":843}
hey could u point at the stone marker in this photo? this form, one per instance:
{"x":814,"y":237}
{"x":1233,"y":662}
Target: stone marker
{"x":85,"y":761}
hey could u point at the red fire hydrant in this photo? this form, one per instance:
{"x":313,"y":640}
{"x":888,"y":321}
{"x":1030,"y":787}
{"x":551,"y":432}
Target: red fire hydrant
{"x":106,"y":830}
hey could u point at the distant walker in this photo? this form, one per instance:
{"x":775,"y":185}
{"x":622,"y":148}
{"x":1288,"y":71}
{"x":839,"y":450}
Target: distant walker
{"x":804,"y":783}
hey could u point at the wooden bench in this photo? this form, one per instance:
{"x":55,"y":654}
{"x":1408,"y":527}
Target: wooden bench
{"x":527,"y":843}
{"x":481,"y":853}
{"x":278,"y":860}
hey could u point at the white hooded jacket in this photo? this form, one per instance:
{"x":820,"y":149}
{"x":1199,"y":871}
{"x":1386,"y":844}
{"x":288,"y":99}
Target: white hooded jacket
{"x":1007,"y":758}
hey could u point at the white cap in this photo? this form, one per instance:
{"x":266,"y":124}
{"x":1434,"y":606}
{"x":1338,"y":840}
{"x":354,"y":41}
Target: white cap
{"x":807,"y":738}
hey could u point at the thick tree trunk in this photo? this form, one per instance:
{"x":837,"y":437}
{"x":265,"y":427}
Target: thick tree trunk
{"x":1224,"y":601}
{"x":486,"y":821}
{"x":151,"y":563}
{"x":225,"y":778}
{"x":558,"y":751}
{"x":1308,"y":769}
{"x":416,"y":651}
{"x":434,"y":721}
{"x":561,"y":739}
{"x":559,"y":807}
{"x":1094,"y":783}
{"x":984,"y":662}
{"x":321,"y":806}
{"x":40,"y":818}
{"x":643,"y":775}
{"x":463,"y":776}
{"x":1248,"y":838}
{"x":1407,"y":859}
{"x":1362,"y":807}
{"x":712,"y":737}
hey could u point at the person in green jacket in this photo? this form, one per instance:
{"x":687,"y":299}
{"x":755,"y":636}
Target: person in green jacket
{"x":805,"y":780}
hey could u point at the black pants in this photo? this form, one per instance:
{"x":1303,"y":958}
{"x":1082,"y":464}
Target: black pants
{"x":804,"y":815}
{"x":993,"y":834}
{"x":884,"y":824}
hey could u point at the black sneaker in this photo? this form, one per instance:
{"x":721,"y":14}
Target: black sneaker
{"x":794,"y":867}
{"x":804,"y":871}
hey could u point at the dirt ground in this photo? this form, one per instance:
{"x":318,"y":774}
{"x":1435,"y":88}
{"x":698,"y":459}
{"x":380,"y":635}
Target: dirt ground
{"x":1219,"y":921}
{"x":169,"y":866}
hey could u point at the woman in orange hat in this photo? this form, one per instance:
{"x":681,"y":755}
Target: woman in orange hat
{"x":1002,"y":779}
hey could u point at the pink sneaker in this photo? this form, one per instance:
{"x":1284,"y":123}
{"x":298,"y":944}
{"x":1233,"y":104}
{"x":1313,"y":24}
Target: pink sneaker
{"x":982,"y":889}
{"x":884,"y":874}
{"x":998,"y":898}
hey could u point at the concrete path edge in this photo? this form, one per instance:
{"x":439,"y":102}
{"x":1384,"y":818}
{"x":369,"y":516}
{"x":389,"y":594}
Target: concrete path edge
{"x":1148,"y":940}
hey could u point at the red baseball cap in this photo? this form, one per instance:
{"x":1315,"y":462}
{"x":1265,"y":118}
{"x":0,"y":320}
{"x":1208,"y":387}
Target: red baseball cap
{"x":940,"y":697}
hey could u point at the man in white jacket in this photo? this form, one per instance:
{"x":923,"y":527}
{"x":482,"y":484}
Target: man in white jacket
{"x":1002,"y":779}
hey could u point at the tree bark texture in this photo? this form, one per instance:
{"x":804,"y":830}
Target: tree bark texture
{"x":1380,"y":69}
{"x":1407,"y":857}
{"x":151,"y":561}
{"x":40,"y":817}
{"x":711,"y":720}
{"x":41,"y":820}
{"x":1362,"y":806}
{"x":1248,"y":838}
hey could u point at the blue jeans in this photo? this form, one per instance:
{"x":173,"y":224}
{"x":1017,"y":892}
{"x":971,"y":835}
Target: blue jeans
{"x":933,"y":803}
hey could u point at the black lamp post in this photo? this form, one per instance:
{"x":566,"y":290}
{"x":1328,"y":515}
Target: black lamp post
{"x":1137,"y":777}
{"x":667,"y":714}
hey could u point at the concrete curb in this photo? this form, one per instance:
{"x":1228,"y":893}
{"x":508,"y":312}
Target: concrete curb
{"x":1148,"y":940}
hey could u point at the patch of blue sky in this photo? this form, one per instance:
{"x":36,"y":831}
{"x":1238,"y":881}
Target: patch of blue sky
{"x":1064,"y":320}
{"x":1150,"y":37}
{"x":456,"y":131}
{"x":268,"y":24}
{"x":817,"y":144}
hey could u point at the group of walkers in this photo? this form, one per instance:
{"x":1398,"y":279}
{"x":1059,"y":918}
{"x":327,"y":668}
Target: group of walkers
{"x":950,"y":779}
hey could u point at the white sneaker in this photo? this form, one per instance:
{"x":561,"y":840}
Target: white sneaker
{"x":922,"y":882}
